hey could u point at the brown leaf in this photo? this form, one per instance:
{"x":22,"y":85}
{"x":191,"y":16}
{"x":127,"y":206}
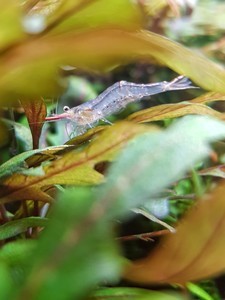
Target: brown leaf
{"x":209,"y":97}
{"x":194,"y":252}
{"x":35,"y":112}
{"x":164,"y":111}
{"x":76,"y":168}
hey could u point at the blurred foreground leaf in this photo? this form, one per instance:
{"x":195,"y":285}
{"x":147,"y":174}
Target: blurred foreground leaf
{"x":15,"y":255}
{"x":10,"y":25}
{"x":6,"y":283}
{"x":76,"y":242}
{"x":83,"y":15}
{"x":15,"y":252}
{"x":100,"y":49}
{"x":153,"y":161}
{"x":201,"y":232}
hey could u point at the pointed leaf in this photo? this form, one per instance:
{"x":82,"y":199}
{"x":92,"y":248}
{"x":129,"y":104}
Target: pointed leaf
{"x":161,"y":112}
{"x":199,"y":253}
{"x":209,"y":97}
{"x":216,"y":171}
{"x":35,"y":112}
{"x":199,"y":291}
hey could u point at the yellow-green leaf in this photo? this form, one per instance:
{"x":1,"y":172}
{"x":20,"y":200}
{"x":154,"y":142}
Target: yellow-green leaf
{"x":209,"y":97}
{"x":10,"y":23}
{"x":164,"y":111}
{"x":82,"y":15}
{"x":76,"y":168}
{"x":99,"y":49}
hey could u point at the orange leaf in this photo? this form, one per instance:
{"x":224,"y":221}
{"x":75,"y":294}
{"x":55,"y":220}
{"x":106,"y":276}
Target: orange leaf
{"x":194,"y":252}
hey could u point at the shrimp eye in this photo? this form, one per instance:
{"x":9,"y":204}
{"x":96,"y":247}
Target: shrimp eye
{"x":66,"y":108}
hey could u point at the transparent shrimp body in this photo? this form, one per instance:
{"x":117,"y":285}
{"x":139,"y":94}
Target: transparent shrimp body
{"x":114,"y":99}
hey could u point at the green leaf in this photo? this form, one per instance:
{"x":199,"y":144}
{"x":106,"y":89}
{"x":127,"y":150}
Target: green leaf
{"x":198,"y":291}
{"x":22,"y":133}
{"x":153,"y":161}
{"x":6,"y":284}
{"x":76,"y":242}
{"x":15,"y":255}
{"x":18,"y":163}
{"x":133,"y":293}
{"x":16,"y":227}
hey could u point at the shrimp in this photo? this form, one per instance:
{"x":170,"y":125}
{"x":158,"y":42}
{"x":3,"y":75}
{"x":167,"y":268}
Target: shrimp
{"x":114,"y":99}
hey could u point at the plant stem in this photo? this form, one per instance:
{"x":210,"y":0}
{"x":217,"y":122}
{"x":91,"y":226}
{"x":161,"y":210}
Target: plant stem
{"x":144,"y":236}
